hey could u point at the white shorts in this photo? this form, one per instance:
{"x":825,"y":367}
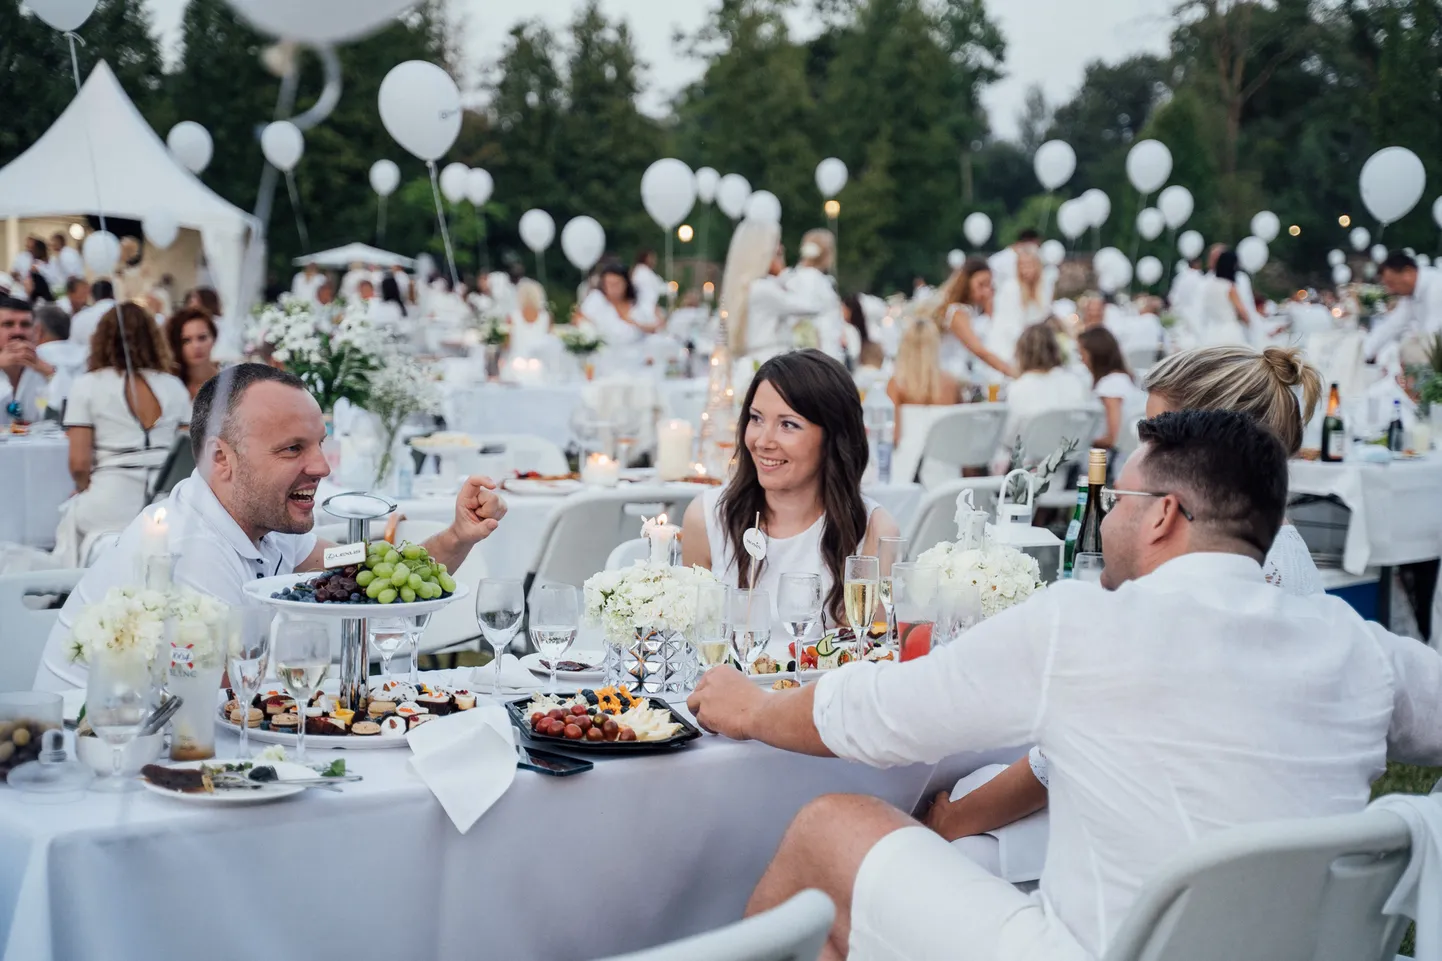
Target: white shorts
{"x":919,"y":899}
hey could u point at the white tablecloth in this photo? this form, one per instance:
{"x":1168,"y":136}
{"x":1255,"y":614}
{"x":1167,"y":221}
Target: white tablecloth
{"x":638,"y":851}
{"x":494,"y":408}
{"x":1396,"y":508}
{"x":35,"y":481}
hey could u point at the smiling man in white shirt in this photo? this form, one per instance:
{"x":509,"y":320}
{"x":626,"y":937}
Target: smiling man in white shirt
{"x":1419,"y":303}
{"x":1186,"y":697}
{"x":248,"y":510}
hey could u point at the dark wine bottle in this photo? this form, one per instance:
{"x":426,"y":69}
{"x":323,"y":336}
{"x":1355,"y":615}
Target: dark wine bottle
{"x":1089,"y":540}
{"x":1334,"y":432}
{"x":1396,"y":434}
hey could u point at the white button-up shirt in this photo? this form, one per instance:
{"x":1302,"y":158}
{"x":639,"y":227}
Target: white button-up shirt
{"x":27,"y":392}
{"x":213,"y":554}
{"x":1188,"y":701}
{"x":1420,"y":313}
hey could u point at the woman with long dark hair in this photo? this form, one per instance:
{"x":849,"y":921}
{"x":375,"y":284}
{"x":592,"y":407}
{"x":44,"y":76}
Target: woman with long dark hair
{"x":965,"y":314}
{"x":612,"y":308}
{"x":1111,"y":382}
{"x":191,"y":334}
{"x":1223,"y":317}
{"x":801,"y":451}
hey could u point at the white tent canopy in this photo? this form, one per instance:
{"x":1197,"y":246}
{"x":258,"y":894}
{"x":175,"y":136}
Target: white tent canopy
{"x":356,"y":254}
{"x":133,"y":175}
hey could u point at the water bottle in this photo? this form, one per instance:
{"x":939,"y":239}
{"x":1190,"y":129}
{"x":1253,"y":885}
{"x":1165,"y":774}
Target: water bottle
{"x":880,"y":419}
{"x":405,"y":474}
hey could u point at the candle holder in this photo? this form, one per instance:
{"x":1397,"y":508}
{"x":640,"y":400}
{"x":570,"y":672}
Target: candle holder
{"x":156,"y":572}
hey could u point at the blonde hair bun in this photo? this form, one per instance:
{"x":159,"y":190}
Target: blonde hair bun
{"x":1286,"y":364}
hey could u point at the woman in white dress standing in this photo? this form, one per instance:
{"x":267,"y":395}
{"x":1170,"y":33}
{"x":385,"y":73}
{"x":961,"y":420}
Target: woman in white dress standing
{"x":650,"y":288}
{"x":756,"y":306}
{"x":122,"y":418}
{"x":1023,"y":299}
{"x":811,"y":282}
{"x":1222,"y":319}
{"x":965,"y":319}
{"x":530,"y":321}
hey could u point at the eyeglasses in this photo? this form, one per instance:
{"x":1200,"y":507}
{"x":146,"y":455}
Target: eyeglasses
{"x":1110,"y":495}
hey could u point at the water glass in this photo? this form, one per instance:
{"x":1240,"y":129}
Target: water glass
{"x":914,"y":601}
{"x":889,"y":552}
{"x":798,"y":604}
{"x":1088,"y":567}
{"x":861,"y":585}
{"x":748,"y":625}
{"x":117,"y":701}
{"x":387,"y":636}
{"x":555,"y":619}
{"x":247,"y":661}
{"x":301,"y":649}
{"x":500,"y":608}
{"x":708,"y":631}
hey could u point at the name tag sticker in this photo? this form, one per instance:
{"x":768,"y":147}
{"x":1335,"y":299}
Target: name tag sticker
{"x":345,"y":554}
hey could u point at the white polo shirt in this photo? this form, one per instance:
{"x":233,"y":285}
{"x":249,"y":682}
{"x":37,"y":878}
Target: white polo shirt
{"x":214,"y":556}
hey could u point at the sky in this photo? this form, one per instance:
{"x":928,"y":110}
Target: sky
{"x":1049,"y":41}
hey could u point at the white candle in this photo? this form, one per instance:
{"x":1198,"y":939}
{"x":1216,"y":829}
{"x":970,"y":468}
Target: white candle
{"x":601,"y":471}
{"x":673,"y":449}
{"x":155,"y":534}
{"x":660,"y":534}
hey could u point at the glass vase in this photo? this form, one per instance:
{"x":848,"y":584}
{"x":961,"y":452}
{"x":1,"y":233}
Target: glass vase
{"x":195,"y":677}
{"x":651,"y":661}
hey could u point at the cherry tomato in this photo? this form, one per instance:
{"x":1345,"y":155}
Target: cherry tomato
{"x":572,"y":732}
{"x":557,"y":714}
{"x":537,"y":718}
{"x":578,"y":710}
{"x":627,"y":734}
{"x":594,"y":734}
{"x":584,"y":723}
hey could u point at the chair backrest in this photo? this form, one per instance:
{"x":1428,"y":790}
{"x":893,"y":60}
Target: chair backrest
{"x":179,"y":464}
{"x":527,"y":452}
{"x":966,"y":435}
{"x":1141,"y":359}
{"x":935,"y":519}
{"x":1310,"y":889}
{"x":1044,"y":433}
{"x":23,"y":629}
{"x":587,"y":527}
{"x":686,"y":402}
{"x":794,"y":931}
{"x":628,"y":554}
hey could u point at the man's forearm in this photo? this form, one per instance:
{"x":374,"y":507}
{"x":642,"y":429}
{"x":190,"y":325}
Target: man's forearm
{"x":449,"y":549}
{"x":1006,"y":798}
{"x":784,"y":719}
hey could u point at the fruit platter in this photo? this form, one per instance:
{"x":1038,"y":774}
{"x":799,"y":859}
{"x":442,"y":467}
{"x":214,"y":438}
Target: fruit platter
{"x":835,"y":649}
{"x":607,"y":720}
{"x":400,"y":581}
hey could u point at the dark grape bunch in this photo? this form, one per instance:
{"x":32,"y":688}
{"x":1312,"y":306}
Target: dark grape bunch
{"x":406,"y":574}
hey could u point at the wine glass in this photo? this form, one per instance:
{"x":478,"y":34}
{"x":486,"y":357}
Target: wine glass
{"x":889,"y":551}
{"x":247,"y":660}
{"x":419,"y":622}
{"x":387,"y":636}
{"x":301,"y":649}
{"x":708,"y":633}
{"x":798,"y":603}
{"x":500,"y":606}
{"x":117,"y":701}
{"x":1088,"y":567}
{"x":555,"y":618}
{"x":748,"y":625}
{"x":861,"y":584}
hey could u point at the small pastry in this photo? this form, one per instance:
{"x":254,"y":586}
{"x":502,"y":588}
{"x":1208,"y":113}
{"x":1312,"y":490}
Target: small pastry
{"x":365,"y":729}
{"x":253,"y":717}
{"x":344,"y":714}
{"x":410,"y":709}
{"x":334,"y":726}
{"x":285,"y":723}
{"x":278,"y":705}
{"x":437,"y":703}
{"x":381,"y":708}
{"x":465,"y":700}
{"x":416,"y":720}
{"x":393,"y":726}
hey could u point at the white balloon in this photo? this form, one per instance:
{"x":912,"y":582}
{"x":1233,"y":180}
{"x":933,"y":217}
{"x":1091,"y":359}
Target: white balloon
{"x":320,"y":21}
{"x":1151,"y":223}
{"x":1437,"y":211}
{"x":63,"y":15}
{"x":977,"y":228}
{"x":385,"y":177}
{"x":1149,"y":164}
{"x":283,"y":144}
{"x":1073,"y":218}
{"x":1336,"y":257}
{"x":1112,"y":268}
{"x":1341,"y":274}
{"x":1176,"y":204}
{"x":1053,"y":252}
{"x":668,"y":191}
{"x":1360,"y":238}
{"x":101,"y":251}
{"x":1149,"y":270}
{"x":1266,"y":226}
{"x":956,"y":259}
{"x":420,"y":107}
{"x":1379,"y":253}
{"x":1055,"y":162}
{"x":1098,"y":206}
{"x":537,"y":230}
{"x":583,"y":242}
{"x":731,"y":195}
{"x":1392,"y":182}
{"x":479,"y":186}
{"x":191,"y":145}
{"x":764,"y":207}
{"x":160,"y":228}
{"x":1252,"y":254}
{"x":707,"y":180}
{"x":453,"y":182}
{"x":1423,"y":260}
{"x":831,"y":177}
{"x":1410,"y":252}
{"x":1190,"y":244}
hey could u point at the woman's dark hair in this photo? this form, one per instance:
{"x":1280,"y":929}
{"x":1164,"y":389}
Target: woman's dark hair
{"x":1226,"y":265}
{"x":856,"y":316}
{"x":621,"y":272}
{"x":40,"y":292}
{"x":209,"y":300}
{"x":147,"y":349}
{"x":175,"y":337}
{"x":643,"y":256}
{"x":38,"y":251}
{"x":820,"y":390}
{"x":391,"y":291}
{"x":1103,"y":353}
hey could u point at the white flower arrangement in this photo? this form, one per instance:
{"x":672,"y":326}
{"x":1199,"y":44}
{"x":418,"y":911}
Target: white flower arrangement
{"x":643,"y":597}
{"x":131,"y":620}
{"x":399,"y":389}
{"x":1003,"y":576}
{"x":335,"y":354}
{"x":580,"y":338}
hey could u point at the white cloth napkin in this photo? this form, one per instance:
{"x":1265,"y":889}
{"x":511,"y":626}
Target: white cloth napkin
{"x":467,"y":759}
{"x":515,"y":678}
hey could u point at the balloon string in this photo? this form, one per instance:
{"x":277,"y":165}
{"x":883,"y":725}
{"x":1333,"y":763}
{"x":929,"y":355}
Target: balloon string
{"x":441,"y":216}
{"x":295,"y":207}
{"x":381,"y":219}
{"x":89,"y":143}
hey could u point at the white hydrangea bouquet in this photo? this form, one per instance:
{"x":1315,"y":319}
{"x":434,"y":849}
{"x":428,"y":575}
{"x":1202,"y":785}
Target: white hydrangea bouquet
{"x":643,"y":597}
{"x":336,"y":356}
{"x":1002,"y":575}
{"x":132,"y":621}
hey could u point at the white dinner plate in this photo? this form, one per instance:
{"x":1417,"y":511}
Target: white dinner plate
{"x":532,"y":663}
{"x":272,"y":791}
{"x":264,"y":587}
{"x":542,"y":488}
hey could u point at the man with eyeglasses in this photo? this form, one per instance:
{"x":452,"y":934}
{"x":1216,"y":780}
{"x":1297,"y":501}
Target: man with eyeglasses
{"x":1182,"y":696}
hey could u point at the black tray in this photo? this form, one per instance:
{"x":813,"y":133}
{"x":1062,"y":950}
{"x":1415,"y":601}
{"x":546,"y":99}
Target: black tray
{"x":688,"y":733}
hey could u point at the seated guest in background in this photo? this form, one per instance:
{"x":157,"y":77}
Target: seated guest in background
{"x":918,"y":378}
{"x":1043,"y":385}
{"x":52,"y":325}
{"x":612,"y":308}
{"x":122,"y":417}
{"x":365,"y":292}
{"x":77,"y":295}
{"x":1418,"y":310}
{"x":1023,"y":299}
{"x":229,"y":339}
{"x":1093,"y":311}
{"x":966,"y":306}
{"x":325,"y":294}
{"x":1293,"y":706}
{"x":800,"y":453}
{"x":390,"y":310}
{"x":248,"y":509}
{"x":690,"y":320}
{"x":83,"y":322}
{"x":530,"y":321}
{"x":190,"y":334}
{"x":1111,"y":382}
{"x":24,"y":387}
{"x":306,"y":284}
{"x":861,"y":350}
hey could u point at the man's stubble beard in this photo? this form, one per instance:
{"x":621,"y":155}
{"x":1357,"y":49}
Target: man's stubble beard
{"x":260,"y":512}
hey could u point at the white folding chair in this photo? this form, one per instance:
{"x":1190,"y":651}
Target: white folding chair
{"x":935,"y":519}
{"x":1310,"y":889}
{"x":959,"y":436}
{"x":686,"y":402}
{"x":629,"y":553}
{"x":794,"y":931}
{"x":1141,"y":359}
{"x":587,"y":527}
{"x":24,"y":629}
{"x":1044,"y":433}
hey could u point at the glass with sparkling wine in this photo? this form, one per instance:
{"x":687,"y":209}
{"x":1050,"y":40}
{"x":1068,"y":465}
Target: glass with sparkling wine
{"x":860,"y":587}
{"x":301,"y":649}
{"x":555,"y":619}
{"x":708,"y":633}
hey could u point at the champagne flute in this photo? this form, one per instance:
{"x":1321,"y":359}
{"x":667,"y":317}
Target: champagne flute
{"x":555,"y":618}
{"x":500,"y":607}
{"x":709,"y":630}
{"x":798,"y":602}
{"x":247,"y":661}
{"x":748,"y":625}
{"x":860,"y":586}
{"x":117,"y":700}
{"x":889,"y":551}
{"x":302,"y":656}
